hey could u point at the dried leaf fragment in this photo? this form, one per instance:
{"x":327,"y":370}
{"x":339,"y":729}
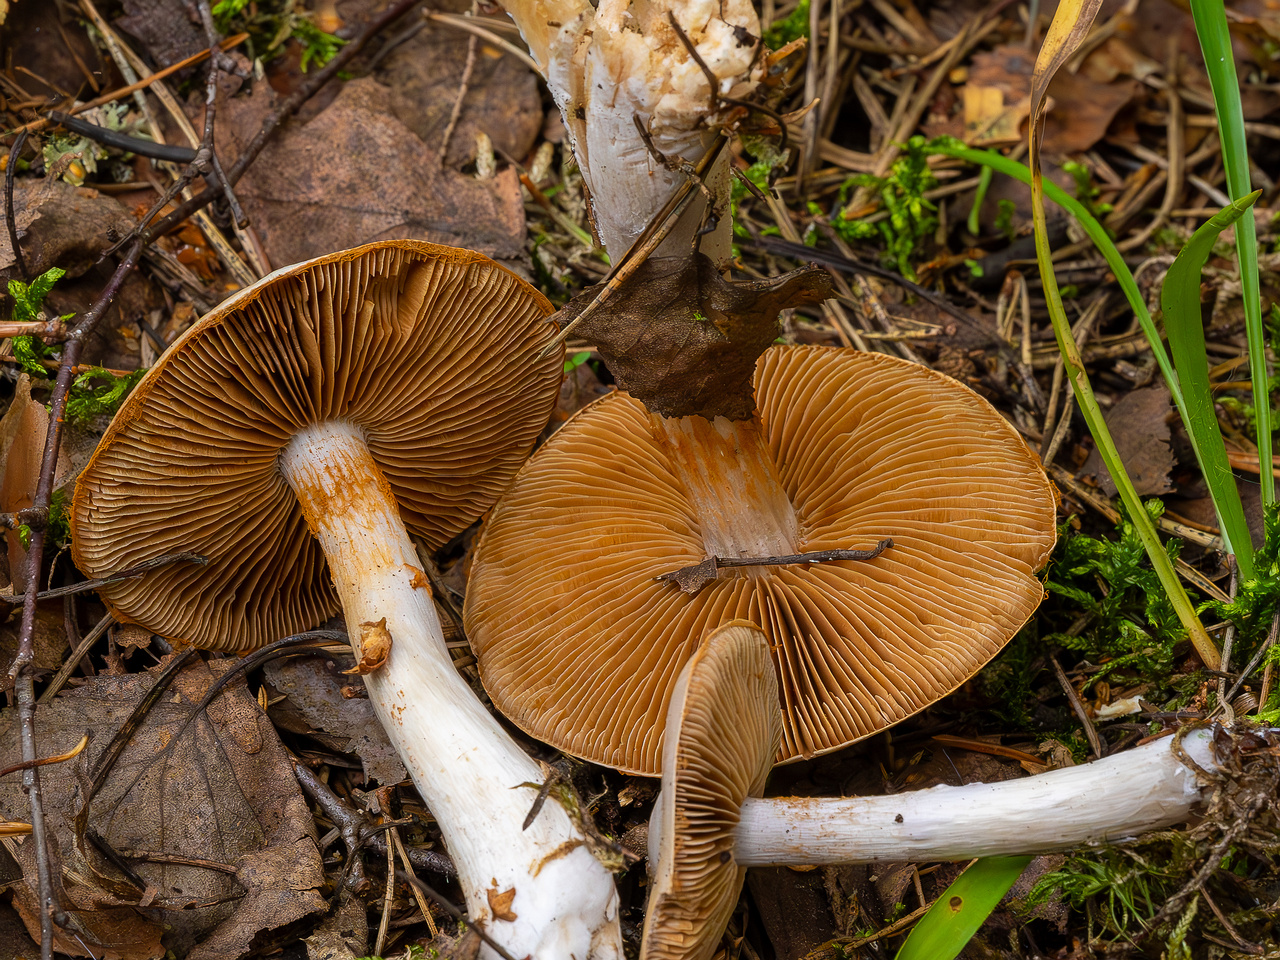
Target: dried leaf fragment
{"x":684,"y":341}
{"x":500,"y":903}
{"x":375,"y":647}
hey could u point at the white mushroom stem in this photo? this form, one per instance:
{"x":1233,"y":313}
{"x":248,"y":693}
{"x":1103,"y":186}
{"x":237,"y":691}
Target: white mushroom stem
{"x":473,"y":777}
{"x":619,"y":61}
{"x":1121,"y":796}
{"x":728,"y":473}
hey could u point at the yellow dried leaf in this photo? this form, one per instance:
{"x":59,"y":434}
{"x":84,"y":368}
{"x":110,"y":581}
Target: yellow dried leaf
{"x":375,"y":647}
{"x":500,"y":903}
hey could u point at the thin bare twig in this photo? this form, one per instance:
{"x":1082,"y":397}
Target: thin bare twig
{"x":75,"y":657}
{"x":37,"y":125}
{"x":45,"y":761}
{"x":14,"y":152}
{"x":1095,"y":741}
{"x":463,"y":85}
{"x":353,"y":826}
{"x":457,"y":914}
{"x":128,"y":574}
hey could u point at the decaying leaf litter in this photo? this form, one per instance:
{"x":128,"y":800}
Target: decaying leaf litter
{"x":1100,"y":667}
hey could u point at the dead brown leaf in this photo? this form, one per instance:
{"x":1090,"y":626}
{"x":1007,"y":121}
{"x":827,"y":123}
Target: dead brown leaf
{"x":683,"y":340}
{"x":316,"y":707}
{"x":355,"y":173}
{"x":500,"y":904}
{"x":424,"y":75}
{"x":1139,"y":425}
{"x":168,"y":29}
{"x":59,"y":57}
{"x":997,"y":98}
{"x":60,"y":226}
{"x":997,"y":95}
{"x":1084,"y":111}
{"x":219,"y":790}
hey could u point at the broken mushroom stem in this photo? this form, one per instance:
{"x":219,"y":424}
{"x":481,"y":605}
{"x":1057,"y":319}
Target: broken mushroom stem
{"x":469,"y":771}
{"x":709,"y":825}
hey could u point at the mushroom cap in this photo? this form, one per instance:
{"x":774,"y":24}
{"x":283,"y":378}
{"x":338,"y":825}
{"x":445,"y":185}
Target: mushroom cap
{"x":434,"y":353}
{"x":725,"y":728}
{"x":580,"y":647}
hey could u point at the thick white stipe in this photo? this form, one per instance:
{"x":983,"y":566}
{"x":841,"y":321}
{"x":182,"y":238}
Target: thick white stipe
{"x":467,"y":769}
{"x":1139,"y":790}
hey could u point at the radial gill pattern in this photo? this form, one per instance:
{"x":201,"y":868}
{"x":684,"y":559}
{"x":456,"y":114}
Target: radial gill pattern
{"x":432,"y":352}
{"x":580,"y":647}
{"x":726,"y":730}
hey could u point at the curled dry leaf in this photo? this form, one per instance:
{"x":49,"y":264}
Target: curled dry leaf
{"x":324,"y":705}
{"x":355,"y":173}
{"x":375,"y":647}
{"x":684,"y":341}
{"x":219,"y":790}
{"x":500,"y":904}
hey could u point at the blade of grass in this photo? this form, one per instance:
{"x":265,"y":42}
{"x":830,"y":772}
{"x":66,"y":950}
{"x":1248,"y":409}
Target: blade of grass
{"x":1068,"y":29}
{"x":1180,"y":298}
{"x":1093,"y":230}
{"x":961,"y":909}
{"x":984,"y":183}
{"x":1215,"y":42}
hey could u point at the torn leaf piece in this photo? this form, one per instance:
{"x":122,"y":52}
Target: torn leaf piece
{"x":375,"y":647}
{"x":500,"y":904}
{"x":684,"y":341}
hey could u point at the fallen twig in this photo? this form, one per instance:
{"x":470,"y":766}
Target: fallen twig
{"x":35,"y":126}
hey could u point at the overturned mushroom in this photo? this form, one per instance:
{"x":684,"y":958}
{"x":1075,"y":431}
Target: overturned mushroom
{"x":643,"y":88}
{"x":710,"y":824}
{"x":290,"y":437}
{"x":581,"y":646}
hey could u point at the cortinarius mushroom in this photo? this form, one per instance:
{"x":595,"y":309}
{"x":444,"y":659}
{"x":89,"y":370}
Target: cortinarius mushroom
{"x":581,"y":646}
{"x":614,"y":66}
{"x":710,"y":824}
{"x":726,"y":729}
{"x":303,"y":425}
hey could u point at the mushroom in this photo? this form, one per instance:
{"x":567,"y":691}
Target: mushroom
{"x":725,"y":733}
{"x":290,"y":437}
{"x":616,"y":69}
{"x":710,"y":824}
{"x":580,"y":645}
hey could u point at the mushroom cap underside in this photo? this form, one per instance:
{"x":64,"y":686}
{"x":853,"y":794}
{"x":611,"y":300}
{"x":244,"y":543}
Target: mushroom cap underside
{"x":580,"y":647}
{"x":725,"y":730}
{"x":435,"y":354}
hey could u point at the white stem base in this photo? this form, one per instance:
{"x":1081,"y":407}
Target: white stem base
{"x":469,"y":772}
{"x":1142,"y":789}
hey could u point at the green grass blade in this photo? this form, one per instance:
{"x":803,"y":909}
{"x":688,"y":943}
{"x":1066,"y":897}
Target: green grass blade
{"x":984,"y":183}
{"x":1180,"y":298}
{"x":1215,"y":42}
{"x":1073,"y":366}
{"x":956,"y":915}
{"x":1095,"y":232}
